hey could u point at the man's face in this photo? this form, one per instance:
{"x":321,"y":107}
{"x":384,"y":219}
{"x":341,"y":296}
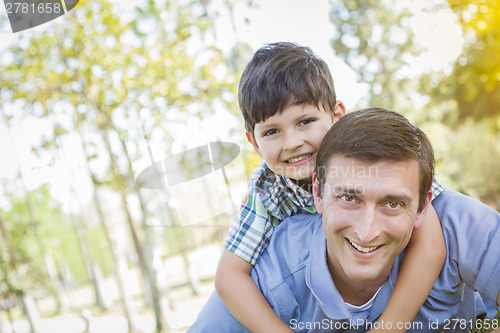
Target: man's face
{"x":369,"y":212}
{"x":288,"y":141}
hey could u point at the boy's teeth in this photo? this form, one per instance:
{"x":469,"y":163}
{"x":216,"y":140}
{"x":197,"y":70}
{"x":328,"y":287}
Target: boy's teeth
{"x":361,"y":248}
{"x":300,"y":158}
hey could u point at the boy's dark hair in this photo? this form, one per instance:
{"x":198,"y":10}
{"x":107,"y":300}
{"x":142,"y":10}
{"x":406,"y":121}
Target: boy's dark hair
{"x":281,"y":74}
{"x":376,"y":134}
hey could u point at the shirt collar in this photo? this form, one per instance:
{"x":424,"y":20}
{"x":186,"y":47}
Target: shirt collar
{"x":274,"y":190}
{"x":319,"y":280}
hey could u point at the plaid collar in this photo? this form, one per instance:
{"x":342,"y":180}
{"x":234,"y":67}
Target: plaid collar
{"x":280,"y":195}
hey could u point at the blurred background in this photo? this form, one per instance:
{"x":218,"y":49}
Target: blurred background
{"x":95,"y":104}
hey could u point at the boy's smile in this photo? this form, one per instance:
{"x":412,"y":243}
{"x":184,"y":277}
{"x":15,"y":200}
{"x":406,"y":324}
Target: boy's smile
{"x":288,"y":141}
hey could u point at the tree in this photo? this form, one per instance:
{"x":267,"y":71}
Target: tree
{"x":470,"y":96}
{"x":20,"y":269}
{"x":376,"y":42}
{"x":101,"y":76}
{"x":474,"y":83}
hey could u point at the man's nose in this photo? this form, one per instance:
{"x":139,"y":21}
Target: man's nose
{"x":367,"y":226}
{"x":293,"y":140}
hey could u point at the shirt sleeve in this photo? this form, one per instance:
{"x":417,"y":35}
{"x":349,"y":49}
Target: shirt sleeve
{"x":472,"y":233}
{"x":215,"y":317}
{"x":251,"y":230}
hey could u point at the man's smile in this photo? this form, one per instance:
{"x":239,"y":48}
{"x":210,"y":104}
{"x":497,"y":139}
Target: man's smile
{"x":362,"y":248}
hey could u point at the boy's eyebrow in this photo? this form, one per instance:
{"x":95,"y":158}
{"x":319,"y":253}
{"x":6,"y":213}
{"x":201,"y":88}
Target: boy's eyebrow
{"x":265,"y":126}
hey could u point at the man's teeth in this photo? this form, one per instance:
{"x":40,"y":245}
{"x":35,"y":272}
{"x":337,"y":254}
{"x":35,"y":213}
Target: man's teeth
{"x":361,"y":248}
{"x":300,"y":158}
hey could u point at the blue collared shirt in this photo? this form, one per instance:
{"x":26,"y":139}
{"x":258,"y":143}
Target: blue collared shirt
{"x":293,"y":276}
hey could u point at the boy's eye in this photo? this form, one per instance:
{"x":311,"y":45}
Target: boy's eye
{"x":270,"y":132}
{"x":305,"y":122}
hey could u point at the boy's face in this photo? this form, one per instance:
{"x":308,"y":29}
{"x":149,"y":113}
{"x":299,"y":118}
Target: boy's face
{"x":288,"y":141}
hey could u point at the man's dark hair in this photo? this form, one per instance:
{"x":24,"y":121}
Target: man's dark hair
{"x":282,"y":74}
{"x":376,"y":134}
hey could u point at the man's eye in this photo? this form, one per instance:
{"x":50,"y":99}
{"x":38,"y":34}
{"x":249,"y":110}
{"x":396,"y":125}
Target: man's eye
{"x":270,"y":132}
{"x":394,"y":205}
{"x":347,"y":198}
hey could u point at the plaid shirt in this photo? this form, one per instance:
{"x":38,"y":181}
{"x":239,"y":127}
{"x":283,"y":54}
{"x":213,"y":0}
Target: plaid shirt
{"x":271,"y":199}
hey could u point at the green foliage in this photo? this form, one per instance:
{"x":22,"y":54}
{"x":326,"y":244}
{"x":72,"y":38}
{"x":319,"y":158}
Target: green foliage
{"x":474,"y":88}
{"x":470,"y":160}
{"x":376,"y":42}
{"x":475,"y":81}
{"x":21,"y":275}
{"x":21,"y":266}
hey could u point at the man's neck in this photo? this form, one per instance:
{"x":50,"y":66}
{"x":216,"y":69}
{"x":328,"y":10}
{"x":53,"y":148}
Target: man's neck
{"x":353,"y":291}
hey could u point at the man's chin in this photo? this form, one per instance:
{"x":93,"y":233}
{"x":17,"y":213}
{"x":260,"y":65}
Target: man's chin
{"x":367,"y":274}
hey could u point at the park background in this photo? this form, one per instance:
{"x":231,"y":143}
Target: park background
{"x":92,"y":99}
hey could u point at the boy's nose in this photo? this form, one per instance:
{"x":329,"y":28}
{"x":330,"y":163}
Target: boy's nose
{"x":293,"y":141}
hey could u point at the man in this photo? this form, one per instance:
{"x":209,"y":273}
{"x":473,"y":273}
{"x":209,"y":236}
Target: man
{"x":336,"y":271}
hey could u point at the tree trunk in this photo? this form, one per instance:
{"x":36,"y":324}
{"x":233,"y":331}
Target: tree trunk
{"x":147,"y":271}
{"x":49,"y":262}
{"x":31,"y":312}
{"x":117,"y":260}
{"x":159,"y":291}
{"x":102,"y":299}
{"x":62,"y":306}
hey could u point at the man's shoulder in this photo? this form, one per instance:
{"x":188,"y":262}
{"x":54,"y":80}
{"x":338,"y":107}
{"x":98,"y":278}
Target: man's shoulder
{"x":296,"y":228}
{"x":289,"y":247}
{"x":471,"y":231}
{"x":451,"y":203}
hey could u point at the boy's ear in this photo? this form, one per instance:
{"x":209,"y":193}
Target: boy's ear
{"x":339,"y":111}
{"x":423,"y":212}
{"x":317,"y":194}
{"x":255,"y":146}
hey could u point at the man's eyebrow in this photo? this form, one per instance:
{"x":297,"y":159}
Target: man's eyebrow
{"x":398,"y":197}
{"x":357,"y":191}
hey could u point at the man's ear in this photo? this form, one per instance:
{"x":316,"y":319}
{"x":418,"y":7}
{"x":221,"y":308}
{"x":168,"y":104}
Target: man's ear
{"x":317,"y":194}
{"x":255,"y":146}
{"x":339,"y":111}
{"x":423,"y":212}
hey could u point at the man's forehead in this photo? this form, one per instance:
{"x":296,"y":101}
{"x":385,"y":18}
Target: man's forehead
{"x":346,"y":167}
{"x":385,"y":177}
{"x":341,"y":166}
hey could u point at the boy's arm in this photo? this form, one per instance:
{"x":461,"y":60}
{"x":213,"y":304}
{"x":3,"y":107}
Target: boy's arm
{"x":243,"y":298}
{"x":420,"y":268}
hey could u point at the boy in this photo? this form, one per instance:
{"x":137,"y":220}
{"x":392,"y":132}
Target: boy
{"x":288,"y":101}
